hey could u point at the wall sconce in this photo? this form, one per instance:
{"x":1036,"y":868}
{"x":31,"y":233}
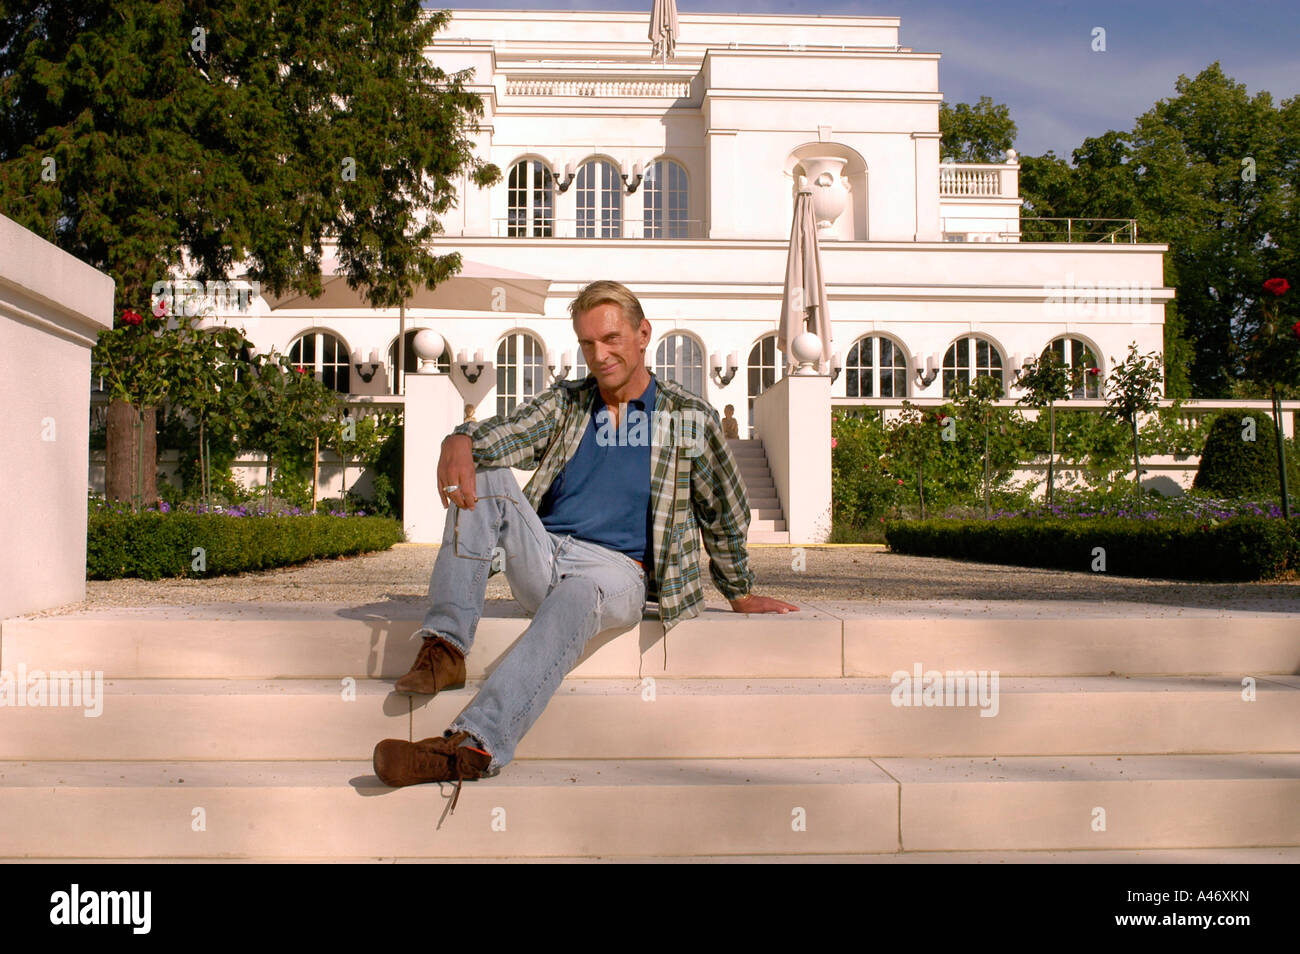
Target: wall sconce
{"x":926,"y":378}
{"x":566,"y":365}
{"x":462,"y":359}
{"x":634,"y":180}
{"x":366,"y":369}
{"x":723,"y":378}
{"x":562,"y":183}
{"x":1017,"y":369}
{"x":836,"y":366}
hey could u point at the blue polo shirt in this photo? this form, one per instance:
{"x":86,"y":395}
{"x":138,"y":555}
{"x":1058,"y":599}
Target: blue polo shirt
{"x":603,"y":493}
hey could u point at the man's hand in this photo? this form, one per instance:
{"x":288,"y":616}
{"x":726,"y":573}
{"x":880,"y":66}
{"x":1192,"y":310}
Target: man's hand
{"x":753,"y":603}
{"x":456,"y":466}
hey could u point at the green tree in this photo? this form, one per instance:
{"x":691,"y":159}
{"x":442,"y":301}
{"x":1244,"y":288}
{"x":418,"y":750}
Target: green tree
{"x":975,"y":406}
{"x":145,"y":138}
{"x":1133,"y":388}
{"x":1047,"y":380}
{"x":979,"y":133}
{"x":1215,"y":173}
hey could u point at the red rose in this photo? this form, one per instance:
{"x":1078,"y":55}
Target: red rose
{"x":1296,"y":329}
{"x":833,"y":443}
{"x":300,"y":369}
{"x":900,"y":481}
{"x":129,"y":317}
{"x":1094,"y":370}
{"x":1277,"y":286}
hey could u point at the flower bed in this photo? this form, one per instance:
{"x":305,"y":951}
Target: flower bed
{"x":155,"y":544}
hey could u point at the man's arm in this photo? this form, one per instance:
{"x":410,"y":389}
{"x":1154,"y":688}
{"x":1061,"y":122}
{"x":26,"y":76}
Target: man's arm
{"x":518,"y":439}
{"x":722,"y":510}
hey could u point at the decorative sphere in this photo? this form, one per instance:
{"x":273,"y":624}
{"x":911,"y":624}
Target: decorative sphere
{"x":428,"y":344}
{"x":807,"y":347}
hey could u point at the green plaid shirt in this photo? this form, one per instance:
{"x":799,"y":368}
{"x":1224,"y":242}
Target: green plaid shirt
{"x":695,"y":485}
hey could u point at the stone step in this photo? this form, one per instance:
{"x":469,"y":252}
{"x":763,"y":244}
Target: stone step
{"x":768,"y":536}
{"x":1147,"y":856}
{"x":202,"y":719}
{"x":758,"y":526}
{"x":652,"y":807}
{"x":825,"y":639}
{"x":765,"y":513}
{"x":764,"y":501}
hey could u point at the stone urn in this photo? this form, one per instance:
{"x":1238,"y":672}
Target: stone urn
{"x":824,"y":178}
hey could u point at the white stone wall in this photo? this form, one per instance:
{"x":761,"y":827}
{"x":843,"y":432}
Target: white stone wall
{"x":52,"y":308}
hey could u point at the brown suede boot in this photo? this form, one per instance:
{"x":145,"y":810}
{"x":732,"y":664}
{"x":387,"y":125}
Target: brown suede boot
{"x":438,"y":666}
{"x":439,"y":759}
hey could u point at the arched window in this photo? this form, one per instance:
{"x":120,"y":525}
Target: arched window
{"x":762,"y":370}
{"x":665,"y":200}
{"x":411,"y":364}
{"x":324,"y":355}
{"x":531,"y":200}
{"x":875,"y":367}
{"x":968,"y":358}
{"x":580,"y":366}
{"x":600,"y":200}
{"x":680,"y":358}
{"x":521,"y":371}
{"x":1076,"y":355}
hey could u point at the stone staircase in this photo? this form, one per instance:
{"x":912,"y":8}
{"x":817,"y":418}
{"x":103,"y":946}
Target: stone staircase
{"x":766,"y":521}
{"x":245,"y":731}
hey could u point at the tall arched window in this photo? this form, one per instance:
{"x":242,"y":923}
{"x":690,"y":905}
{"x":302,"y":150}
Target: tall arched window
{"x":412,"y":363}
{"x":324,"y":355}
{"x":531,"y":200}
{"x":1076,"y":355}
{"x":665,"y":200}
{"x":521,"y":371}
{"x":579,"y":365}
{"x":600,"y":200}
{"x":968,"y":358}
{"x":875,"y":367}
{"x":680,"y":358}
{"x":762,"y":370}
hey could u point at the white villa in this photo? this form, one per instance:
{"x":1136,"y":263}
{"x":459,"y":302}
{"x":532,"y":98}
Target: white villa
{"x":678,"y":178}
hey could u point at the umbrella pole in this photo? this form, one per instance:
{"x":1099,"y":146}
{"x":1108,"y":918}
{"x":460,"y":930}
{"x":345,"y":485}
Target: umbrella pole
{"x":399,"y":373}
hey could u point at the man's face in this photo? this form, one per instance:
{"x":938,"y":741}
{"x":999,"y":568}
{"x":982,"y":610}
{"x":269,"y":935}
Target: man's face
{"x":613,"y":350}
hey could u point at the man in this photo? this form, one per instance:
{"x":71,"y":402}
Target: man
{"x":631,"y":470}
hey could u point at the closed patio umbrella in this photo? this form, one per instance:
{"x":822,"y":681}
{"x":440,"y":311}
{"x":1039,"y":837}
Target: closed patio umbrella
{"x":663,"y":28}
{"x":803,"y":304}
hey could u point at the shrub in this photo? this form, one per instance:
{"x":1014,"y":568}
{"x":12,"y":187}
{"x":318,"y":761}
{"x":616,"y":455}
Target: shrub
{"x":151,"y":545}
{"x":1232,"y":466}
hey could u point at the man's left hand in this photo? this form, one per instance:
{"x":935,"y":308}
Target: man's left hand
{"x":753,"y":603}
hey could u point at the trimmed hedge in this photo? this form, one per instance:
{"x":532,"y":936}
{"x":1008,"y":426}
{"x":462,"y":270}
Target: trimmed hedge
{"x":1241,"y":548}
{"x":1233,"y":467}
{"x":152,"y":545}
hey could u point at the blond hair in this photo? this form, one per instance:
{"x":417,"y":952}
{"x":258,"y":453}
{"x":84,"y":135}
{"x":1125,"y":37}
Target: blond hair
{"x":602,"y":292}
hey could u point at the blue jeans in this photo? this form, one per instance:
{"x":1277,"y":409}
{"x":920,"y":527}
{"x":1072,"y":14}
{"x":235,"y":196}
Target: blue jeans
{"x":574,"y":589}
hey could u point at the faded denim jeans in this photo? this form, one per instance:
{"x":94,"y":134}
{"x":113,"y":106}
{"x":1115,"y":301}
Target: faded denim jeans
{"x":574,"y":589}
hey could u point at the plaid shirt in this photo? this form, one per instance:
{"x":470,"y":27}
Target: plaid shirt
{"x":695,"y":486}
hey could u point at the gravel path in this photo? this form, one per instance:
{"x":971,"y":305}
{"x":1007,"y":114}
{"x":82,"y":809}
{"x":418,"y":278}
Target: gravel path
{"x":868,"y":573}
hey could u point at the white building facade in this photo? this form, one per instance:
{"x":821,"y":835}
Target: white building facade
{"x":678,"y":179}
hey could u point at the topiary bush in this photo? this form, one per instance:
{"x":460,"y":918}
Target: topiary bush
{"x":1232,"y":466}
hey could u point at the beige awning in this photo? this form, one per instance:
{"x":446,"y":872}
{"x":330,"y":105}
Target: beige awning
{"x":476,"y":287}
{"x":803,"y":303}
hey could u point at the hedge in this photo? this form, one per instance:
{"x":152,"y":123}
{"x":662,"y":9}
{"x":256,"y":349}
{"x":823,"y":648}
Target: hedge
{"x":1240,"y":548}
{"x":151,"y":545}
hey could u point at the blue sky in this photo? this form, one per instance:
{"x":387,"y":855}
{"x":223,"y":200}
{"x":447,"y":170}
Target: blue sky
{"x":1036,"y":55}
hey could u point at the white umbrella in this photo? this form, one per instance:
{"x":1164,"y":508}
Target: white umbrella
{"x":663,"y":28}
{"x":476,"y":287}
{"x":803,"y":304}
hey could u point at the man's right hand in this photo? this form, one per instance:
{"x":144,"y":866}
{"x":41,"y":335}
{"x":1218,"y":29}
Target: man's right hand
{"x":456,"y":467}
